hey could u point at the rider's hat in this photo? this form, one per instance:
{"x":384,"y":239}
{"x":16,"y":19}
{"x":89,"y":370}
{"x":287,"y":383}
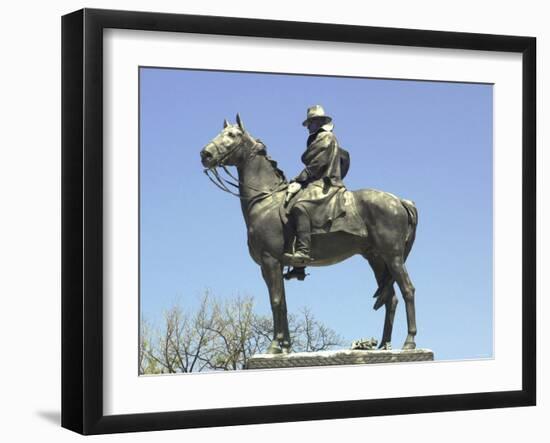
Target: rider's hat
{"x":316,"y":112}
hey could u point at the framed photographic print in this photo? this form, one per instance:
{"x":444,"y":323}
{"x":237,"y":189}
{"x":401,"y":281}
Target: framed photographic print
{"x":238,"y":194}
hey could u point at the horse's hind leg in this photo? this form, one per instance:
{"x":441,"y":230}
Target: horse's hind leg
{"x":385,"y":283}
{"x":391,"y":305}
{"x":397,"y":268}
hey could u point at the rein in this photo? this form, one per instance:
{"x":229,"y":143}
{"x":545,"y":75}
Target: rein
{"x":214,"y":176}
{"x":222,"y":183}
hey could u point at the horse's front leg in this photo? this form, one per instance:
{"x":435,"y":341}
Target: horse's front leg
{"x":272,"y":271}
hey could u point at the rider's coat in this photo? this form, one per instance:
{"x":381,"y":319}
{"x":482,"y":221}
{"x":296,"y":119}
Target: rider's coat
{"x":323,"y":195}
{"x":324,"y":159}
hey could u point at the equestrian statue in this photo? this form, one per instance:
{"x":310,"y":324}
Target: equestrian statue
{"x":313,"y":220}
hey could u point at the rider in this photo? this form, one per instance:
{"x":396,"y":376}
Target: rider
{"x":326,"y":163}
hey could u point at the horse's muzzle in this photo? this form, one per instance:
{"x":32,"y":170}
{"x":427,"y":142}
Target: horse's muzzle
{"x":207,"y":159}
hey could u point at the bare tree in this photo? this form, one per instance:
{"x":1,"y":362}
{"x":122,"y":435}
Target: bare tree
{"x":310,"y":335}
{"x":147,"y":364}
{"x":233,"y":332}
{"x":222,"y":335}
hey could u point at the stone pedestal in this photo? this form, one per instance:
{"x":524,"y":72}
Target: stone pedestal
{"x":337,"y":358}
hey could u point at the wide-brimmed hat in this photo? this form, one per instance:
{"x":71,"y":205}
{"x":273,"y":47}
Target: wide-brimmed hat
{"x":316,"y":112}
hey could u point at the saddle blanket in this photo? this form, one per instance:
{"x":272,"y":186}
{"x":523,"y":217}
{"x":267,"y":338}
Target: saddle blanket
{"x":330,"y":210}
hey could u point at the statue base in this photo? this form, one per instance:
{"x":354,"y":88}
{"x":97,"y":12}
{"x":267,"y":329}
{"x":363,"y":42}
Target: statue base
{"x":337,"y":358}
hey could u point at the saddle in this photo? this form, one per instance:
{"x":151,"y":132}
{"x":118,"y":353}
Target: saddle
{"x":331,"y":210}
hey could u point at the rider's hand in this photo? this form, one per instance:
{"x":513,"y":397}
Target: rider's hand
{"x":294,"y":187}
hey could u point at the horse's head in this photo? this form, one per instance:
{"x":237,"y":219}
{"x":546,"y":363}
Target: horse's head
{"x":230,"y":147}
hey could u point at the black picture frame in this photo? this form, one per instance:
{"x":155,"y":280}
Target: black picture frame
{"x":82,"y":216}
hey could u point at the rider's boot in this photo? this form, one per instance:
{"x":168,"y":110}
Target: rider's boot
{"x":302,"y":247}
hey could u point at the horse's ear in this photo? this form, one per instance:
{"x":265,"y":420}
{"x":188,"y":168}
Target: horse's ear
{"x":225,"y":123}
{"x":240,"y":123}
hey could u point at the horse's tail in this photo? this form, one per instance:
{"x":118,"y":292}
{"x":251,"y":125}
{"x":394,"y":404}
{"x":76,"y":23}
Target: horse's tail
{"x":383,"y":290}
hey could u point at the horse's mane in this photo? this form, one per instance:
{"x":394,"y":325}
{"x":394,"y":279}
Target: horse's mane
{"x":261,"y":149}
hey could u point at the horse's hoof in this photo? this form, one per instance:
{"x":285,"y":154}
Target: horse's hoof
{"x":409,"y":345}
{"x":385,"y":346}
{"x":285,"y":347}
{"x":274,"y":348}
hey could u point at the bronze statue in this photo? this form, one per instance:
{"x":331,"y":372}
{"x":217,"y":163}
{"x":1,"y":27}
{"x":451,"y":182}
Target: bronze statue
{"x":377,"y":225}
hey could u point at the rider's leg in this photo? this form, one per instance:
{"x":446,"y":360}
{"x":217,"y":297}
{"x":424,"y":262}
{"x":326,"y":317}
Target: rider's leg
{"x":302,"y":226}
{"x":303,"y":230}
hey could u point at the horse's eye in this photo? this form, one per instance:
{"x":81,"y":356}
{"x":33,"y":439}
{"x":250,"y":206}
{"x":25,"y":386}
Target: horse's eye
{"x":231,"y":134}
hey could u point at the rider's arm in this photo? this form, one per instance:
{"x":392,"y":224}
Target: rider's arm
{"x":302,"y":176}
{"x":318,"y":155}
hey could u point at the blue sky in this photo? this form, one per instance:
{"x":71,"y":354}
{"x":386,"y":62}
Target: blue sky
{"x":430,"y":142}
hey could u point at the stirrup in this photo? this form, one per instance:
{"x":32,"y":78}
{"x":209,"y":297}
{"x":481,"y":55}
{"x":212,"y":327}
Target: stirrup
{"x":298,"y":273}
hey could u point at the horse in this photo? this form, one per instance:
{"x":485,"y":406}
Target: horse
{"x":261,"y":187}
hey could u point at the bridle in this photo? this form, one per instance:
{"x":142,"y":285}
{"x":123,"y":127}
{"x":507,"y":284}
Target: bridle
{"x":214,"y":176}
